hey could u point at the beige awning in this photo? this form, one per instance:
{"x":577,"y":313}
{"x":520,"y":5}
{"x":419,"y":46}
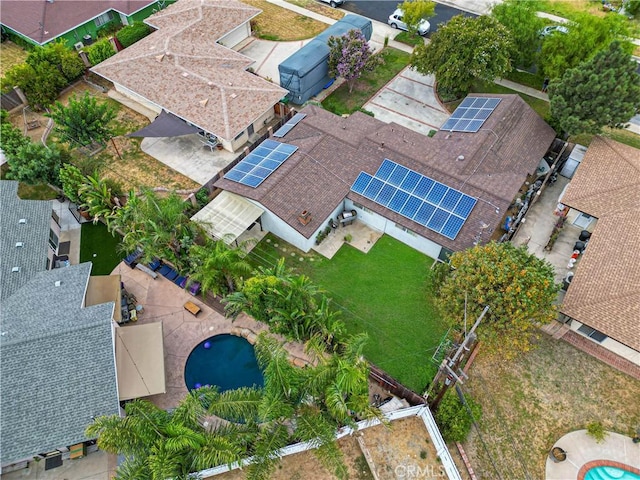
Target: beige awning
{"x":140,"y":360}
{"x":227,"y":216}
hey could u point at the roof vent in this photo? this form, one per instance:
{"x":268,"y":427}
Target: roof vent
{"x":16,"y":269}
{"x":185,"y":74}
{"x":234,"y":95}
{"x":460,"y":158}
{"x":19,"y":244}
{"x":57,"y":283}
{"x":22,"y":221}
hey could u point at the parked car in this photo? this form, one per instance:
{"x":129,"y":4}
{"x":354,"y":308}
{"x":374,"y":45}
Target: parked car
{"x":396,"y":21}
{"x":551,"y":29}
{"x":333,"y":3}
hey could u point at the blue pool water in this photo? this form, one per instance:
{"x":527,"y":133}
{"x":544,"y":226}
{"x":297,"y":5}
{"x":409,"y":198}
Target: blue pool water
{"x":229,"y":362}
{"x":610,"y":473}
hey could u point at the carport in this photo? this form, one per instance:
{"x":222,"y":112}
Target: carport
{"x":227,"y":216}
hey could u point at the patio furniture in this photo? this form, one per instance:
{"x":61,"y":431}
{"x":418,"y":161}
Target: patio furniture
{"x":194,"y":289}
{"x":147,"y":270}
{"x":347,"y":217}
{"x":131,"y":260}
{"x":171,"y":274}
{"x":155,"y":264}
{"x":192,"y":308}
{"x":181,"y":281}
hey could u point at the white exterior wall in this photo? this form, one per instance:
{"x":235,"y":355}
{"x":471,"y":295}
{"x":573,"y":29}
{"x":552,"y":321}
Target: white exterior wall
{"x":137,"y":98}
{"x":240,"y":140}
{"x":423,"y":245}
{"x":611,"y":344}
{"x":274,"y":224}
{"x":236,"y":36}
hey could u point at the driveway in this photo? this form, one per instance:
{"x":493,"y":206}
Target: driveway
{"x":409,"y":100}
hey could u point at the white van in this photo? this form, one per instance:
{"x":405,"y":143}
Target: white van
{"x":396,"y":21}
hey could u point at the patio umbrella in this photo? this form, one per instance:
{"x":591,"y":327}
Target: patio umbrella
{"x":165,"y":125}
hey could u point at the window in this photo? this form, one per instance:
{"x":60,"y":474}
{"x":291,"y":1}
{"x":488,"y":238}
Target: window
{"x":362,"y":207}
{"x":592,"y":333}
{"x":53,"y":240}
{"x":406,"y":230}
{"x":104,"y":18}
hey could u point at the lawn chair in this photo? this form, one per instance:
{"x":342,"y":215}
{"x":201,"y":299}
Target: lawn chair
{"x":181,"y":281}
{"x":194,"y":289}
{"x":155,"y":264}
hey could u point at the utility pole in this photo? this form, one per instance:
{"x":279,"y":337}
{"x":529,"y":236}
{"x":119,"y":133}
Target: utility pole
{"x":449,"y":366}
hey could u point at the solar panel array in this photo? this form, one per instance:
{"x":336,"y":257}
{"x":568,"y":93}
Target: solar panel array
{"x":283,"y":130}
{"x":260,"y":163}
{"x":471,"y":114}
{"x":417,"y":197}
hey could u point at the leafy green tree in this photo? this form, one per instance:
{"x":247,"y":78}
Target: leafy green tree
{"x":604,"y":91}
{"x":97,"y":197}
{"x":72,"y":180}
{"x":84,"y":120}
{"x":523,"y":23}
{"x":11,"y":139}
{"x":59,"y":56}
{"x":35,"y":164}
{"x":350,"y":56}
{"x":587,"y":36}
{"x":518,"y":287}
{"x":463,"y":50}
{"x":453,"y":417}
{"x":100,"y":51}
{"x":218,"y":267}
{"x":413,"y":11}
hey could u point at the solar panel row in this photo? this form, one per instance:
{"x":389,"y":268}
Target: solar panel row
{"x":286,"y":128}
{"x":417,"y":197}
{"x":260,"y":163}
{"x":471,"y":114}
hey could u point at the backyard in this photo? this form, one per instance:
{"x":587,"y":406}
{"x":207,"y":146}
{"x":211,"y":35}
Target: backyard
{"x":385,"y":293}
{"x":98,"y":246}
{"x":532,"y":401}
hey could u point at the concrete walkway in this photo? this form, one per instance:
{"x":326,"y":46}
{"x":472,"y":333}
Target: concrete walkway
{"x":582,"y":449}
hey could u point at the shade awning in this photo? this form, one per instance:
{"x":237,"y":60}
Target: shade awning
{"x":165,"y":125}
{"x":140,"y":360}
{"x":227,"y":216}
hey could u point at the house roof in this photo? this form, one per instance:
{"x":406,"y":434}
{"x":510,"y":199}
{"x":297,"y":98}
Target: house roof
{"x":31,"y":257}
{"x":44,"y":20}
{"x":332,"y":151}
{"x":605,"y":290}
{"x":58,"y":366}
{"x":183,"y":69}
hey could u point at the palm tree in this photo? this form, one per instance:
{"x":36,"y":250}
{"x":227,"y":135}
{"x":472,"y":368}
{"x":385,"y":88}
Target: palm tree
{"x":218,"y":267}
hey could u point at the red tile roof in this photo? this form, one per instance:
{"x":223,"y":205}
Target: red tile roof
{"x":44,"y":20}
{"x":605,"y":291}
{"x":332,"y":151}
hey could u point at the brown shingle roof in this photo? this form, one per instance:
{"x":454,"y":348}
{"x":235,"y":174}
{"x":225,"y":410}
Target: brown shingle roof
{"x":43,"y":20}
{"x":605,"y":291}
{"x":332,"y":151}
{"x":183,"y":69}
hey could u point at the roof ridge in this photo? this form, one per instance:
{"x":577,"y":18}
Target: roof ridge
{"x":625,"y":158}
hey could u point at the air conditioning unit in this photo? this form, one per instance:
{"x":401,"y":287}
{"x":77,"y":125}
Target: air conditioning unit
{"x":78,"y":46}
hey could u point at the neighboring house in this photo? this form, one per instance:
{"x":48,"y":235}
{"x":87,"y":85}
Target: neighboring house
{"x":59,"y":342}
{"x":41,"y":21}
{"x":335,"y":158}
{"x":603,"y":299}
{"x":188,"y":68}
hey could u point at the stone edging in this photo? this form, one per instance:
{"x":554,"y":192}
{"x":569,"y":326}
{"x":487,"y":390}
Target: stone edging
{"x":605,"y":463}
{"x":252,"y":337}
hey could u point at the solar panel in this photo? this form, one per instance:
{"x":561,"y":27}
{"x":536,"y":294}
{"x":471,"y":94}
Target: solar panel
{"x":286,"y":128}
{"x":471,"y":114}
{"x":417,"y":197}
{"x":260,"y":163}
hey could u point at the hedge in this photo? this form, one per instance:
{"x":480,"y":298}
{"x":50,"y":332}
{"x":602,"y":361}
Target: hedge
{"x":132,"y":33}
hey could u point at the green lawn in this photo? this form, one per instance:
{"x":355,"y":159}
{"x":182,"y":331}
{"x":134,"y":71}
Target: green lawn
{"x":540,"y":106}
{"x":384,"y":293}
{"x":98,"y":246}
{"x":342,"y":102}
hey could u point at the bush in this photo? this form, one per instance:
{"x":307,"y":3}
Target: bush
{"x":131,"y":34}
{"x":202,"y":196}
{"x":453,"y":417}
{"x":100,"y":51}
{"x":596,"y":431}
{"x":632,"y":7}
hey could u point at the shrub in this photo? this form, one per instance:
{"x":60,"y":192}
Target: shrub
{"x":596,"y":431}
{"x":632,"y":7}
{"x":453,"y":417}
{"x":202,"y":196}
{"x":132,"y":33}
{"x":100,"y":51}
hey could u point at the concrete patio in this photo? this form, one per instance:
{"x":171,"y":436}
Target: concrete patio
{"x":363,"y":238}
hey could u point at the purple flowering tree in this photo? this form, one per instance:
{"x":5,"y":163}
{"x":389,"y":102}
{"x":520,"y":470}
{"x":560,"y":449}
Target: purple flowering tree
{"x":350,"y":56}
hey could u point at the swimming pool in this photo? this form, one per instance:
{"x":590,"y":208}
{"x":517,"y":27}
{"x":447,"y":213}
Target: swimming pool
{"x":226,"y":361}
{"x":610,"y":473}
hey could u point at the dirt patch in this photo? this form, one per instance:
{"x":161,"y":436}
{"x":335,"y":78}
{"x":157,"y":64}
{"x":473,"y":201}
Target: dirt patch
{"x":534,"y":400}
{"x":316,"y":7}
{"x":281,"y":24}
{"x":11,"y":55}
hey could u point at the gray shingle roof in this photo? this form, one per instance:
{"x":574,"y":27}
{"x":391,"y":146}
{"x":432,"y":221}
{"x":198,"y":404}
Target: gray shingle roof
{"x":58,"y":367}
{"x":332,"y":151}
{"x":32,"y":257}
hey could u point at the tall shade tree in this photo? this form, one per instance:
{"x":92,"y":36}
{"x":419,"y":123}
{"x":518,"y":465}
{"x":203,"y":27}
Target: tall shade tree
{"x":413,"y":11}
{"x":84,"y":120}
{"x":524,"y":25}
{"x":585,"y":37}
{"x":35,"y":164}
{"x":463,"y":50}
{"x":218,"y":267}
{"x":604,"y":91}
{"x":350,"y":56}
{"x":518,"y":287}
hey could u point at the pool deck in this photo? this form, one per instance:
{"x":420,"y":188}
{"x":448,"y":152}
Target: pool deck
{"x":583,"y":452}
{"x":163,"y":301}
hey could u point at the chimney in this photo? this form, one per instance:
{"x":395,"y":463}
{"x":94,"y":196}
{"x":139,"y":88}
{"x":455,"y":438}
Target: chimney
{"x":305,"y":217}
